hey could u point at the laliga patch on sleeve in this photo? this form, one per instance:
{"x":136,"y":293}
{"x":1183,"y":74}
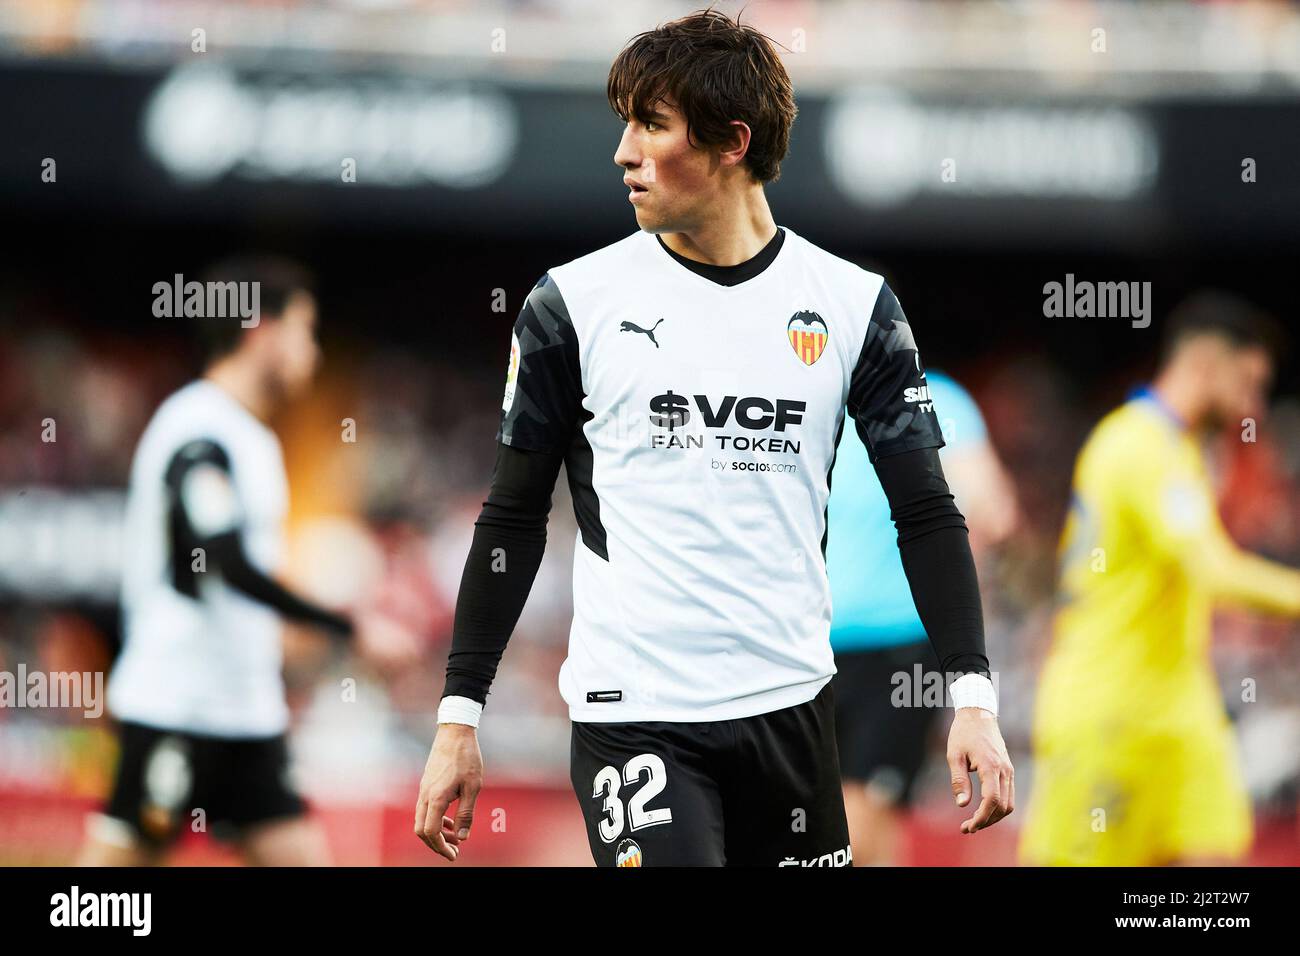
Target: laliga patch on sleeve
{"x":1186,"y":508}
{"x":512,"y":373}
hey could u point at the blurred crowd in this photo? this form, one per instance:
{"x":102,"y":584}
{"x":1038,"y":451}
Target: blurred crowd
{"x":1237,"y":39}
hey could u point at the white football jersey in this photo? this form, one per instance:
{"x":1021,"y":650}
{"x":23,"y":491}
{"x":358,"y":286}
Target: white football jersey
{"x":199,"y":656}
{"x":699,"y":423}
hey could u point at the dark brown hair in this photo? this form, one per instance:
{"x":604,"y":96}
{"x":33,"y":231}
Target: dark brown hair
{"x":1216,"y":312}
{"x":715,"y":71}
{"x":277,"y":278}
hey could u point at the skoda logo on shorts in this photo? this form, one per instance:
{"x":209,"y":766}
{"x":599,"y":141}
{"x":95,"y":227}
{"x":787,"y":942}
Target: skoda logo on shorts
{"x":628,"y":854}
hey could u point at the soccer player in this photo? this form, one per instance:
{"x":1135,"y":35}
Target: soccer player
{"x":882,"y":655}
{"x":197,"y":689}
{"x":1135,"y":758}
{"x":694,"y":378}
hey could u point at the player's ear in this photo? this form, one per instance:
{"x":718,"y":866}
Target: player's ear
{"x":261,"y":339}
{"x":732,"y":151}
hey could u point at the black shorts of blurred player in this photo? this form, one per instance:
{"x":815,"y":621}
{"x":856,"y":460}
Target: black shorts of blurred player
{"x":754,"y":791}
{"x":237,"y":789}
{"x":882,"y":746}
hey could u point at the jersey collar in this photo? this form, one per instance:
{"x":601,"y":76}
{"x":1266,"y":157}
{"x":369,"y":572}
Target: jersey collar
{"x":731,"y":275}
{"x":672,"y":261}
{"x":1146,"y":393}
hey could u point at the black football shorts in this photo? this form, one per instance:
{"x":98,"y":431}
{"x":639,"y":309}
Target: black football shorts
{"x":756,"y":791}
{"x":165,"y":776}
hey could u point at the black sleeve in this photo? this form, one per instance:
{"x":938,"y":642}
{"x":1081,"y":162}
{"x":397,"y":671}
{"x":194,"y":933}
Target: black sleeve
{"x":934,"y":546}
{"x":509,"y":540}
{"x":543,"y":397}
{"x":888,"y":397}
{"x":224,"y":549}
{"x":539,"y":414}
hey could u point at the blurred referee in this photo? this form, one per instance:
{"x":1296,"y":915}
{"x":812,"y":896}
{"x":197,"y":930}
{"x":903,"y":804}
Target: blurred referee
{"x":879,"y":640}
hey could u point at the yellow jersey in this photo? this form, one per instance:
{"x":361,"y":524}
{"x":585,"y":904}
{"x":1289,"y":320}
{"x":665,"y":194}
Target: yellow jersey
{"x":1135,"y":762}
{"x":1144,"y":557}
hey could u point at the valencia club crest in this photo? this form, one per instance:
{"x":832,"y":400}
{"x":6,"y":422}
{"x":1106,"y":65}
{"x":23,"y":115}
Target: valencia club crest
{"x":628,"y":854}
{"x":808,"y":334}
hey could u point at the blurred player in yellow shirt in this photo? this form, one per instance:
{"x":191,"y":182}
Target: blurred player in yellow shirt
{"x":1136,"y":764}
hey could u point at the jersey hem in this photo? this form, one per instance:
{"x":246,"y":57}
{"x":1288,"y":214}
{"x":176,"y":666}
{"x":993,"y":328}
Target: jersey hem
{"x":199,"y":728}
{"x":758,"y":704}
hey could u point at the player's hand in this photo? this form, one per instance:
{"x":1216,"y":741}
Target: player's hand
{"x":975,"y":743}
{"x":385,"y":642}
{"x":454,"y":772}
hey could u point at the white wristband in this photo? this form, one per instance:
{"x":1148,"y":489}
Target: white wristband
{"x":459,"y":710}
{"x":974,"y":690}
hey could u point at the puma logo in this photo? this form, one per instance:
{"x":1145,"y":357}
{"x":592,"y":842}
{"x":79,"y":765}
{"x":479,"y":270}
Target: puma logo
{"x":633,"y":327}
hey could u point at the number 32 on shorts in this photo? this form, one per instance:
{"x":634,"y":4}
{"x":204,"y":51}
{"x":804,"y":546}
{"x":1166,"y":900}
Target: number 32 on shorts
{"x":607,"y":784}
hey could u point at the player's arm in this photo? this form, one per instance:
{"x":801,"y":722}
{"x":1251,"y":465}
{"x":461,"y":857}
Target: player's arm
{"x":208,"y":510}
{"x":226,"y":552}
{"x":979,"y":480}
{"x":504,"y":556}
{"x":935,"y":549}
{"x":1179,"y":515}
{"x":208,"y":506}
{"x":974,"y":473}
{"x":539,"y":415}
{"x":896,"y":420}
{"x":1239,"y":577}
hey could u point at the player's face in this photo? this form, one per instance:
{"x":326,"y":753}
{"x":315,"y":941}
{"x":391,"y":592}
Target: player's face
{"x":1242,"y":380}
{"x":294,"y":352}
{"x":675,"y":182}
